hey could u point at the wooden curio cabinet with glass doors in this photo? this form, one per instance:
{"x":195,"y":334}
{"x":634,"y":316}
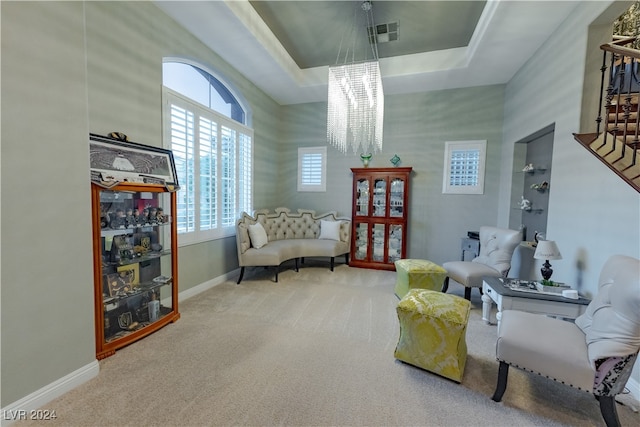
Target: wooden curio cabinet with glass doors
{"x":135,"y":263}
{"x":379,"y":217}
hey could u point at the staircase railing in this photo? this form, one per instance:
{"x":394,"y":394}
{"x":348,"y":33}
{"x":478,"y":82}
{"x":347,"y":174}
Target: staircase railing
{"x":617,"y":138}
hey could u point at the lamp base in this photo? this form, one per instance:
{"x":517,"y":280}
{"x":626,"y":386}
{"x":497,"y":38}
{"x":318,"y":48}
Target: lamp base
{"x":546,"y":270}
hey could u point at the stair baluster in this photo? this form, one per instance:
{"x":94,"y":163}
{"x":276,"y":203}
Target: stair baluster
{"x":617,"y":143}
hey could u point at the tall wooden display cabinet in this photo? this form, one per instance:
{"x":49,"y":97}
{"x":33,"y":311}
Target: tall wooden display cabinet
{"x":135,"y":263}
{"x":135,"y":245}
{"x":379,"y":216}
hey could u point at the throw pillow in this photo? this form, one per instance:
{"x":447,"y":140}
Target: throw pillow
{"x":257,"y":235}
{"x":329,"y":230}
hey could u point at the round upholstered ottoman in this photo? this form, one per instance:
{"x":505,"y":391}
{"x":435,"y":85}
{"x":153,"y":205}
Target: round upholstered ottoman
{"x":418,"y":273}
{"x":433,"y":329}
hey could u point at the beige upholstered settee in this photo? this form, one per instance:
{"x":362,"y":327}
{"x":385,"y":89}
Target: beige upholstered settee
{"x":269,"y":239}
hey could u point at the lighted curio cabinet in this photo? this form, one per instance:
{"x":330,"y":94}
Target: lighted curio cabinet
{"x":135,"y":263}
{"x":379,"y":216}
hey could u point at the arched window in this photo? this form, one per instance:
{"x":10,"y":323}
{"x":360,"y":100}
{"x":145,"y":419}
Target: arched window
{"x":205,"y":127}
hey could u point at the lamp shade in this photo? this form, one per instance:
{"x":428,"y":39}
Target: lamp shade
{"x":547,"y":249}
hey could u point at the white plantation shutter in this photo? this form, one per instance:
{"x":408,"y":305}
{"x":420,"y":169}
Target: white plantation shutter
{"x":228,"y":153}
{"x":208,"y":161}
{"x":214,"y":163}
{"x":245,"y":173}
{"x":312,"y":168}
{"x":182,"y":144}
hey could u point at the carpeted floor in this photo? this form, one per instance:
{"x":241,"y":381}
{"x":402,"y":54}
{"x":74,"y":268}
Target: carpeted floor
{"x":315,"y":349}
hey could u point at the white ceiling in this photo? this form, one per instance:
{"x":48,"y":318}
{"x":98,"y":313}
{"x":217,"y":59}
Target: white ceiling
{"x":507,"y":33}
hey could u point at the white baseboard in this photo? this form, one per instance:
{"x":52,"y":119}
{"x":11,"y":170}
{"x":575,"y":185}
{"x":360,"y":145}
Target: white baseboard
{"x":191,"y":292}
{"x":198,"y":289}
{"x":634,"y":388}
{"x":21,"y":409}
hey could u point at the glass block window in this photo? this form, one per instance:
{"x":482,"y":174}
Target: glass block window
{"x":464,"y":163}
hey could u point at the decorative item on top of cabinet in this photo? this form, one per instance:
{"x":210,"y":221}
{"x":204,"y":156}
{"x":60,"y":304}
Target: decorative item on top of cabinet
{"x":135,"y":258}
{"x":366,"y":158}
{"x":379,"y":216}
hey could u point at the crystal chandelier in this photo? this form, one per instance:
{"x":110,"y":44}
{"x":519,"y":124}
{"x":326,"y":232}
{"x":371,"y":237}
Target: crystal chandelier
{"x":355,"y":110}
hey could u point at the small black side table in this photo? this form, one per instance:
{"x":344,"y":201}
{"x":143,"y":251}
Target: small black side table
{"x":469,"y":244}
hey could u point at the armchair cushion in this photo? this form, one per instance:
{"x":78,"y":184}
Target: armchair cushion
{"x":552,"y":347}
{"x":496,"y":247}
{"x":611,"y":323}
{"x":469,"y":274}
{"x":594,"y":354}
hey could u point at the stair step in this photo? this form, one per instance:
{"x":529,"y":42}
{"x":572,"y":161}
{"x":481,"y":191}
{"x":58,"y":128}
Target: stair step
{"x":622,"y":99}
{"x":614,"y":157}
{"x":622,"y":107}
{"x":619,"y":128}
{"x":633,"y":116}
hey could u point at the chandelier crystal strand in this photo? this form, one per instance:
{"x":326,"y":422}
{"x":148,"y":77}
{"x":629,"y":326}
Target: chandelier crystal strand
{"x":355,"y":105}
{"x":355,"y":110}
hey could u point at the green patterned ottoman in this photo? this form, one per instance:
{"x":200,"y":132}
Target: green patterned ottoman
{"x":418,"y":273}
{"x":433,"y":329}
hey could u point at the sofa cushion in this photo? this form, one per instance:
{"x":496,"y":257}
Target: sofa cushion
{"x":329,"y":230}
{"x":242,"y":237}
{"x":321,"y":247}
{"x":257,"y":235}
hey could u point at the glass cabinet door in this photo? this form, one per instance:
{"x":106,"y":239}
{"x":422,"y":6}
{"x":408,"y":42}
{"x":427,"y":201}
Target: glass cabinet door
{"x":362,"y":241}
{"x":135,"y":245}
{"x":378,"y":241}
{"x":362,"y":197}
{"x":396,"y":198}
{"x":379,"y":197}
{"x":394,"y":249}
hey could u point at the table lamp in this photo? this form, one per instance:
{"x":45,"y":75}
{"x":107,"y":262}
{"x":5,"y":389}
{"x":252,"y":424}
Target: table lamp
{"x":546,"y":250}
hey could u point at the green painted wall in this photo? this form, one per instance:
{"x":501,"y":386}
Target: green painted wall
{"x":70,"y":68}
{"x":416,"y":127}
{"x":47,"y":308}
{"x":593,"y":214}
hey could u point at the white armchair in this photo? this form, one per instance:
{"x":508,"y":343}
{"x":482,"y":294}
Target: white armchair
{"x":496,"y":249}
{"x":595,"y":354}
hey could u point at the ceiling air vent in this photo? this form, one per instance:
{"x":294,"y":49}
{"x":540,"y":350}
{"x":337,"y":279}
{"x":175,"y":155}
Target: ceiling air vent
{"x":384,"y":32}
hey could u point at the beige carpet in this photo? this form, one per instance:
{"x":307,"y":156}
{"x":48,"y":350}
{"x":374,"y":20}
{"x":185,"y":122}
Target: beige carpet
{"x":314,"y":349}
